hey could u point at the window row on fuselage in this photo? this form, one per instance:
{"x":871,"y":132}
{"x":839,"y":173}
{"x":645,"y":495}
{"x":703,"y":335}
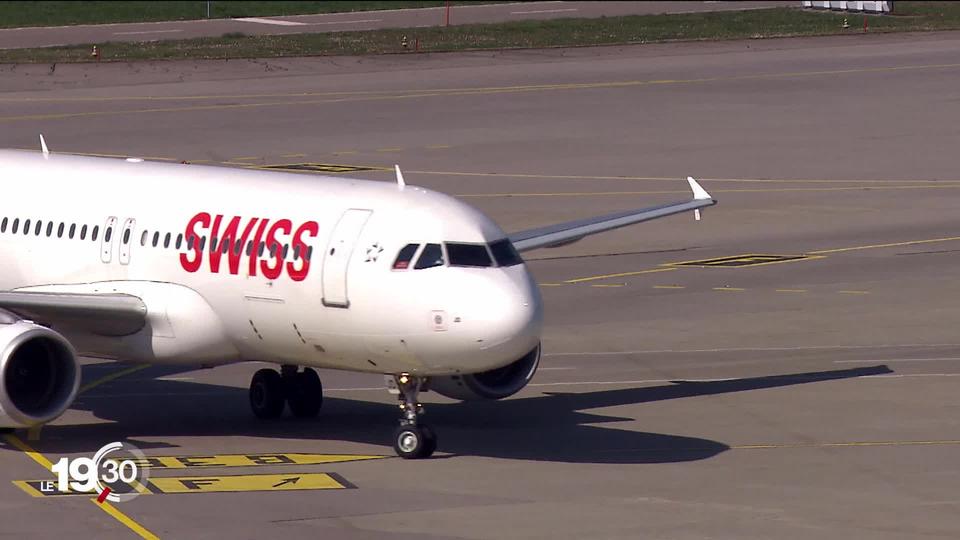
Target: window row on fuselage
{"x":40,"y":227}
{"x":167,"y":241}
{"x":73,"y":231}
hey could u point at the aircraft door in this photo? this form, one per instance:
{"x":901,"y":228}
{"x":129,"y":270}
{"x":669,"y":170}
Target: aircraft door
{"x":106,"y":242}
{"x":336,"y":258}
{"x":126,"y":240}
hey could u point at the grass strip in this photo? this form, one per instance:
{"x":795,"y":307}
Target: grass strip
{"x":766,"y":23}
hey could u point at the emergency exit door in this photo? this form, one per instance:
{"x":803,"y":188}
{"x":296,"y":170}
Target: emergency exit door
{"x":336,"y":259}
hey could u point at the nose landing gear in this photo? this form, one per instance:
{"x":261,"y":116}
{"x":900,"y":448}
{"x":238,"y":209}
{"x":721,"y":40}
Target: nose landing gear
{"x":412,"y":440}
{"x":270,"y":391}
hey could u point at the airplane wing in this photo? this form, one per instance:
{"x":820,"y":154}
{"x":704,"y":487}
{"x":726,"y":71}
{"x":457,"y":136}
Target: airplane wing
{"x":102,"y":314}
{"x":571,"y":231}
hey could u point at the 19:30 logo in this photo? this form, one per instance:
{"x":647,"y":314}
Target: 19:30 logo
{"x":116,"y":479}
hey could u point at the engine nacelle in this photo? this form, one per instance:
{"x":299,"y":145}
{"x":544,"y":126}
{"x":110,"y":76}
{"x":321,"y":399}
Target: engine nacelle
{"x":39,"y":373}
{"x":494,"y":384}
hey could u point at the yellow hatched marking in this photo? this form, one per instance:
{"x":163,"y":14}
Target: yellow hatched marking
{"x":669,"y":287}
{"x":729,"y":289}
{"x":792,"y":290}
{"x":853,"y":292}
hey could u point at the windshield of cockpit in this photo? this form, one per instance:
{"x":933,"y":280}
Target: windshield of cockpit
{"x":461,"y":254}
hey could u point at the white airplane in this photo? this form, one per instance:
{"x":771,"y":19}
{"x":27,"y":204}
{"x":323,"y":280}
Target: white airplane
{"x":185,"y":264}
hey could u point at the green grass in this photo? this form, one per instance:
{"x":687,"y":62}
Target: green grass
{"x":39,"y":13}
{"x":780,"y":22}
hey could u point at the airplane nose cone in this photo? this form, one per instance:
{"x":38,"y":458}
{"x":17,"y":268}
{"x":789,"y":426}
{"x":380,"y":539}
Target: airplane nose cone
{"x":513,"y":314}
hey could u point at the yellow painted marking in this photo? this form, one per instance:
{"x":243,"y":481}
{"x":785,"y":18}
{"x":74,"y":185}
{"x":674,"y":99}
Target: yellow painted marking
{"x":741,"y":261}
{"x":246,"y":482}
{"x":112,"y":377}
{"x":125,"y":519}
{"x":669,"y":287}
{"x":675,"y":192}
{"x":894,"y":244}
{"x":344,"y":152}
{"x":729,"y":289}
{"x":244,"y":158}
{"x":853,"y":292}
{"x":792,"y":290}
{"x":844,"y":444}
{"x":609,"y":285}
{"x":246,"y":460}
{"x":551,"y":284}
{"x":29,"y":451}
{"x":621,"y":274}
{"x":361,"y":96}
{"x":437,"y":146}
{"x":391,"y":149}
{"x":293,"y":155}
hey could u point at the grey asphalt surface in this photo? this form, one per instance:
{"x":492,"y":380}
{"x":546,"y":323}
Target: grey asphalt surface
{"x":807,"y":399}
{"x":18,"y":38}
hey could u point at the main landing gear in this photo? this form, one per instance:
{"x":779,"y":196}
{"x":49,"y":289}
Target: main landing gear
{"x":271,"y":390}
{"x":412,"y":440}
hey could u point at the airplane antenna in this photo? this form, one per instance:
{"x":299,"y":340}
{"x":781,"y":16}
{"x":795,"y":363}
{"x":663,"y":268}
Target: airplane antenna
{"x":43,"y":147}
{"x":400,"y":181}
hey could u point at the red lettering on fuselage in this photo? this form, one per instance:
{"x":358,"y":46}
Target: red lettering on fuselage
{"x":257,"y":233}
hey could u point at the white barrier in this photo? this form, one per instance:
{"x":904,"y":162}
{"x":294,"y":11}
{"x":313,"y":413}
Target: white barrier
{"x":872,"y":7}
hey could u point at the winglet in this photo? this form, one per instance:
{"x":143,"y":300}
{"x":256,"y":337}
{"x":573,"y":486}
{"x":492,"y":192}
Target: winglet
{"x":43,"y":147}
{"x":400,"y":181}
{"x":698,"y":192}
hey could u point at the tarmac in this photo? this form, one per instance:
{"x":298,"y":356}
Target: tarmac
{"x":785,"y":368}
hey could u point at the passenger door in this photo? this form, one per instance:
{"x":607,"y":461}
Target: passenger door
{"x":336,"y":258}
{"x":106,"y":241}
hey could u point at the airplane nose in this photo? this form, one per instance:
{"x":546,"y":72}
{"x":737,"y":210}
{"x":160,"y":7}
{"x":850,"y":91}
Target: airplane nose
{"x":514,"y":313}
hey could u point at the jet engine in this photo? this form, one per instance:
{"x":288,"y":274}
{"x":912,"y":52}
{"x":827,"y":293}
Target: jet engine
{"x":494,"y":384}
{"x":39,"y":373}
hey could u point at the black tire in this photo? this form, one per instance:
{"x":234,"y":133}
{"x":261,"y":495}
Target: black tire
{"x":414,"y":442}
{"x":266,"y":394}
{"x":305,"y":394}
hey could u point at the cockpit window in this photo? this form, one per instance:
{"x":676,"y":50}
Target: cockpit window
{"x":468,"y":255}
{"x":505,"y":254}
{"x":405,"y":256}
{"x":432,"y":256}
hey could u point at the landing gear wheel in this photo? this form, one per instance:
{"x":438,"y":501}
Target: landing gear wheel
{"x":414,"y":442}
{"x":304,"y":393}
{"x":266,"y":394}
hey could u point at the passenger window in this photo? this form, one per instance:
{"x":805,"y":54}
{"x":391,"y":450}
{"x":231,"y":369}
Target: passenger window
{"x":39,"y":226}
{"x":179,"y":240}
{"x":309,"y":252}
{"x":296,"y":253}
{"x":405,"y":256}
{"x":16,"y":225}
{"x":96,"y":232}
{"x":468,"y":255}
{"x":126,"y":236}
{"x":156,"y":239}
{"x":213,"y":244}
{"x":190,"y":240}
{"x":224,"y":246}
{"x":285,"y":250}
{"x":3,"y":226}
{"x":143,"y":238}
{"x":237,"y":247}
{"x":83,"y":232}
{"x":49,"y":228}
{"x":249,"y":248}
{"x":432,"y":256}
{"x":504,"y":253}
{"x":203,"y":242}
{"x":108,"y":235}
{"x":26,"y":227}
{"x":166,"y":240}
{"x":263,"y":246}
{"x":73,"y":230}
{"x":60,"y":230}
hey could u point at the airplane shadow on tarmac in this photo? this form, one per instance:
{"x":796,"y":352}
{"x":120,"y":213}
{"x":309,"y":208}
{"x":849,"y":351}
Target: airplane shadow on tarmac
{"x":548,"y":427}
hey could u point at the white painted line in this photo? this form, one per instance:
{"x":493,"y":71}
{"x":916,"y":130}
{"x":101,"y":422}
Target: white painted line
{"x":146,"y":32}
{"x":755,"y":349}
{"x":358,"y":21}
{"x":543,"y":11}
{"x":275,"y":22}
{"x":874,"y":361}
